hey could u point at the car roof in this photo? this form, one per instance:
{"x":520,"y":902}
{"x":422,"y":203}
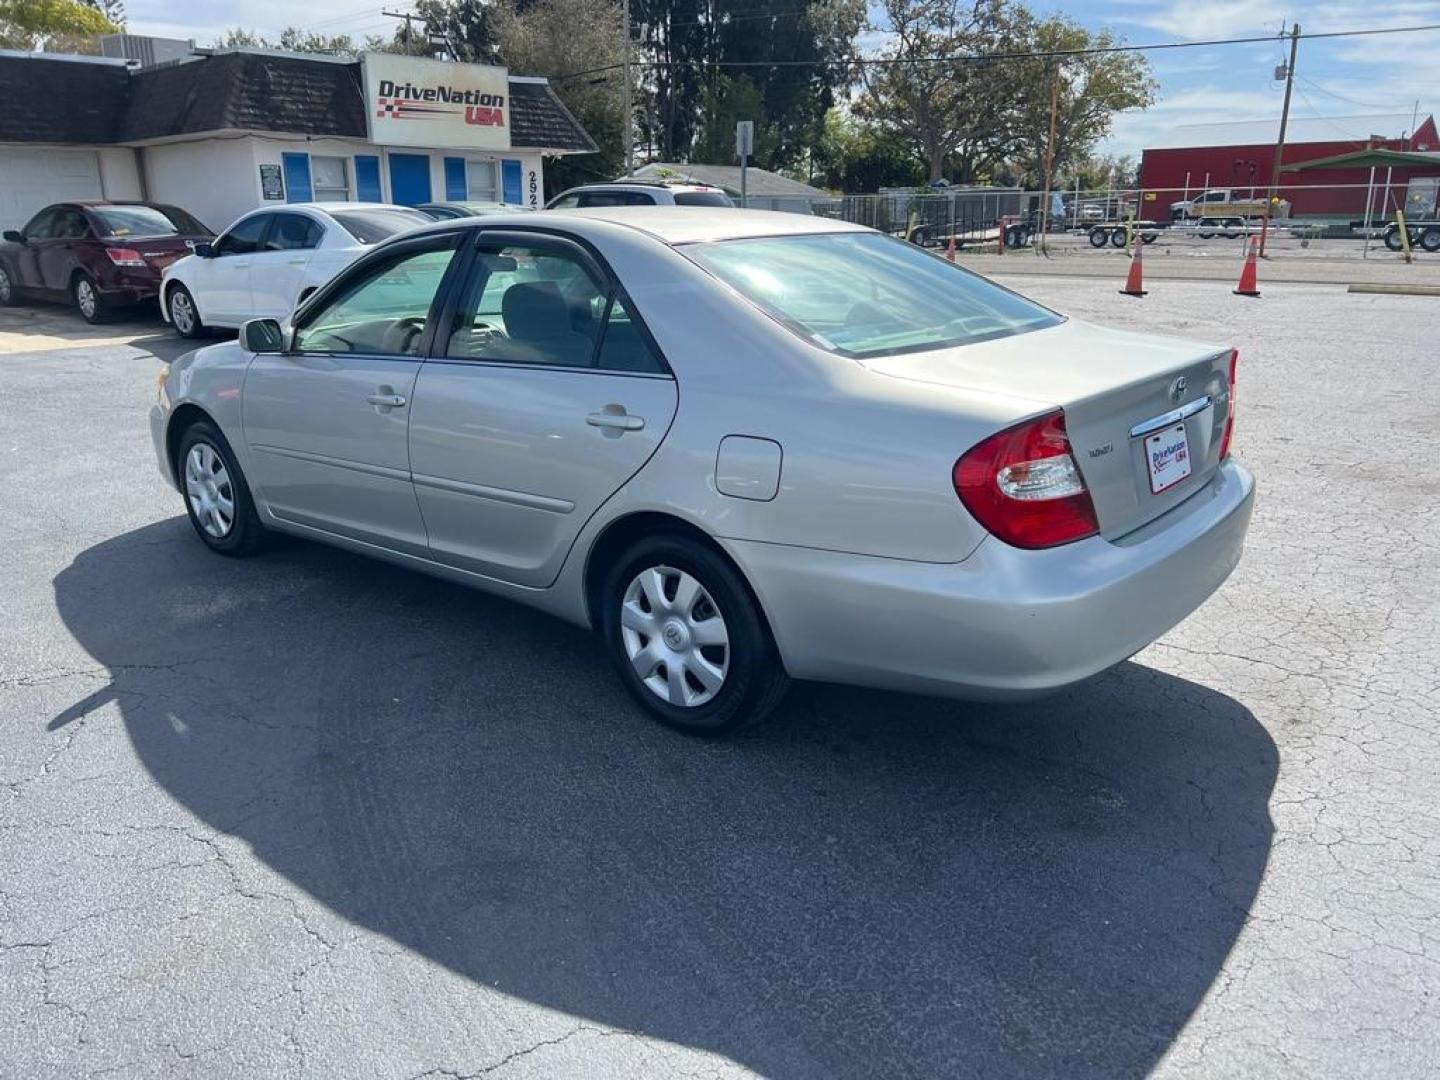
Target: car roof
{"x":696,"y":224}
{"x":644,"y":185}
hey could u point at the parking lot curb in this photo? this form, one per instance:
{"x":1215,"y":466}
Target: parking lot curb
{"x":1395,"y":290}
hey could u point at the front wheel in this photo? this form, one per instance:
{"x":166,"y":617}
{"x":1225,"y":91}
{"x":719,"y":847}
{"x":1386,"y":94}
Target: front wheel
{"x":184,"y":316}
{"x":217,"y":498}
{"x":688,"y":638}
{"x":92,"y":307}
{"x":1099,"y":238}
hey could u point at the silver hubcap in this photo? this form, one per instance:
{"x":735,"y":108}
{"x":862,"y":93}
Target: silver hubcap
{"x":207,"y":484}
{"x":675,"y":636}
{"x":181,"y":313}
{"x":85,"y":297}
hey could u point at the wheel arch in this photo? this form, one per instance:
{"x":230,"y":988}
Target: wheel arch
{"x":625,"y":530}
{"x":181,"y":419}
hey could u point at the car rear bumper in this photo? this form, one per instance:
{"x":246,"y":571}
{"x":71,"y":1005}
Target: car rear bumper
{"x":1005,"y":623}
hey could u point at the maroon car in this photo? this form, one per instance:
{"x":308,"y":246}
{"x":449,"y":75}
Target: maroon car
{"x":98,"y":255}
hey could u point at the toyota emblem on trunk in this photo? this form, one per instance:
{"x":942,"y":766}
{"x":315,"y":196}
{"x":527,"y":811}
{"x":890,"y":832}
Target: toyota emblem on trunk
{"x":1177,"y":389}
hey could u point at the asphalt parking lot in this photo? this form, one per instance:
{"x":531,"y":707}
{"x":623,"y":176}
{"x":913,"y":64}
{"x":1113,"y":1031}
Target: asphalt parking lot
{"x":307,"y":815}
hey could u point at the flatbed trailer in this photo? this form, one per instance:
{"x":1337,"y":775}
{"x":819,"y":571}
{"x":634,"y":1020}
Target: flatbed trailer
{"x":1113,"y":233}
{"x":1424,"y":235}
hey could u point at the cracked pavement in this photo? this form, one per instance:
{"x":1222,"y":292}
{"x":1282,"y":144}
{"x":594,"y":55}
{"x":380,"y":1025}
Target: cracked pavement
{"x":309,"y":816}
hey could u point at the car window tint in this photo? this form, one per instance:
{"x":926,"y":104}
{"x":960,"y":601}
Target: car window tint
{"x":292,"y":232}
{"x":529,"y":305}
{"x":616,"y":198}
{"x":863,"y":294}
{"x":382,"y":308}
{"x":623,"y":347}
{"x":122,"y":221}
{"x":372,"y":225}
{"x":243,"y":238}
{"x":565,"y":202}
{"x":69,"y":225}
{"x":39,"y":227}
{"x":702,"y":198}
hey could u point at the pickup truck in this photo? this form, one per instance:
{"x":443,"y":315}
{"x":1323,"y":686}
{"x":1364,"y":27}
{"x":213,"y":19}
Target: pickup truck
{"x":1224,"y":204}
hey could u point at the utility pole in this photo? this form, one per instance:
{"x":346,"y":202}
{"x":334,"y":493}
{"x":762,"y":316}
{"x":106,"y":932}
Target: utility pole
{"x":625,"y":106}
{"x":1280,"y":142}
{"x":1049,"y":156}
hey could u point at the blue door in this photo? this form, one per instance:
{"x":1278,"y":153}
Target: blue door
{"x":367,"y":178}
{"x":510,"y":180}
{"x":409,"y":178}
{"x":296,"y":168}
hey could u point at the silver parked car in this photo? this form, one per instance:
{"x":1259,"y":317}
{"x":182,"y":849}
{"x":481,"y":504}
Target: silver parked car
{"x":743,"y":446}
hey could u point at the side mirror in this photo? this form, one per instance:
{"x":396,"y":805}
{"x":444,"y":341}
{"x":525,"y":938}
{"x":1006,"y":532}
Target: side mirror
{"x":14,"y":237}
{"x":204,"y":249}
{"x":262,"y":336}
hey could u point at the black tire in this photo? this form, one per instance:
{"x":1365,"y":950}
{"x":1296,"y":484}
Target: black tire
{"x":186,"y":321}
{"x":754,"y":680}
{"x":1430,"y":238}
{"x":1149,"y":238}
{"x":246,"y":535}
{"x":1099,"y":238}
{"x":8,"y":291}
{"x":89,"y":302}
{"x":1233,"y":228}
{"x":1393,"y":241}
{"x":1118,"y":238}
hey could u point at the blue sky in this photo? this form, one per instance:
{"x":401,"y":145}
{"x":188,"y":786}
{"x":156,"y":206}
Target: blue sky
{"x":1383,"y":74}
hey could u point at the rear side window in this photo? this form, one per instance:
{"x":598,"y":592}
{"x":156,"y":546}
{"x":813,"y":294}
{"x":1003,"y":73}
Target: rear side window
{"x":120,"y":221}
{"x":702,"y":198}
{"x":372,"y":226}
{"x":293,"y":232}
{"x":244,"y":237}
{"x":616,"y":198}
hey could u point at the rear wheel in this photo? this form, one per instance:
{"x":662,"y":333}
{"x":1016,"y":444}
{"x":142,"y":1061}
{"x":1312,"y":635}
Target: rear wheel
{"x":184,"y":316}
{"x":7,"y":288}
{"x":1099,"y":238}
{"x":1393,"y":241}
{"x":1233,"y":228}
{"x":688,"y":638}
{"x":1430,"y":238}
{"x":217,"y":498}
{"x":91,"y":305}
{"x":1118,"y":238}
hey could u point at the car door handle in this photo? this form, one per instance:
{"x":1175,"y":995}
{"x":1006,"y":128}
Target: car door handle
{"x":297,"y":262}
{"x":390,"y":401}
{"x":240,"y":264}
{"x":619,"y":421}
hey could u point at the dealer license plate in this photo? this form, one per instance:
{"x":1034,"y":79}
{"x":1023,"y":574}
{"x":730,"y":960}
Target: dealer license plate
{"x":1167,"y":456}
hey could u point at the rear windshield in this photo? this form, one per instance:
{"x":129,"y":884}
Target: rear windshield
{"x":146,"y":221}
{"x":702,"y":198}
{"x":372,"y":226}
{"x":863,"y":294}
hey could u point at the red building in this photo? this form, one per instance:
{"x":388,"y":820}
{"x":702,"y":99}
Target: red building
{"x":1241,"y":156}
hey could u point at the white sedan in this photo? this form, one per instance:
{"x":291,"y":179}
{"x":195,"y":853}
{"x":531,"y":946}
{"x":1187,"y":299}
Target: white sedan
{"x":269,"y":260}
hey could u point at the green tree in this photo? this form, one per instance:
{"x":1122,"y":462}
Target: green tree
{"x":558,"y":37}
{"x":293,"y":39}
{"x":113,"y":10}
{"x":1088,"y":90}
{"x":960,"y":111}
{"x":853,"y":156}
{"x":51,"y":24}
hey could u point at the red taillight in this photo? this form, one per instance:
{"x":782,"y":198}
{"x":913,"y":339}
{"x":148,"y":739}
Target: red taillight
{"x":1230,"y":415}
{"x":1024,"y":485}
{"x":125,"y":256}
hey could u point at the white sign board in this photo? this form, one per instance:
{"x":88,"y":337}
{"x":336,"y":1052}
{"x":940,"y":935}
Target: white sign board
{"x":412,"y":101}
{"x":744,"y":138}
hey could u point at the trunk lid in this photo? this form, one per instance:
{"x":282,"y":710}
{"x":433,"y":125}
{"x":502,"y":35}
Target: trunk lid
{"x":1118,"y":390}
{"x":157,"y":251}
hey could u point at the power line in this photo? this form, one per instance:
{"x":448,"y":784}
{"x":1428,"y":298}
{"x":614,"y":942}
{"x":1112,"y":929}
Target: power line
{"x":903,"y":61}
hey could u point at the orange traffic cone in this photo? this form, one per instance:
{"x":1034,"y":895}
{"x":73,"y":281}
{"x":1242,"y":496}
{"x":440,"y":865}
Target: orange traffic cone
{"x":1248,"y":284}
{"x":950,"y":249}
{"x":1133,"y":279}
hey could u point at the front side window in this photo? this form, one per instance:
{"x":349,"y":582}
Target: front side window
{"x":244,"y":237}
{"x":565,"y":202}
{"x":541,"y":305}
{"x":70,"y":225}
{"x":293,"y":232}
{"x":330,"y":178}
{"x":383,"y":308}
{"x":863,"y":294}
{"x":41,"y":226}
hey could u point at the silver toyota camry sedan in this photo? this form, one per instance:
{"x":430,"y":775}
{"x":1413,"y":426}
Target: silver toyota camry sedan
{"x":743,"y":446}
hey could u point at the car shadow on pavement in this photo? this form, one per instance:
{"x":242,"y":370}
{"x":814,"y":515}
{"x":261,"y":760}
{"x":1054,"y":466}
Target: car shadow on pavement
{"x":870,"y":885}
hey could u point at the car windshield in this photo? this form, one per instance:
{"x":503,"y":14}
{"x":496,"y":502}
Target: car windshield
{"x":373,"y":225}
{"x":863,"y":294}
{"x":147,"y":221}
{"x":702,"y":198}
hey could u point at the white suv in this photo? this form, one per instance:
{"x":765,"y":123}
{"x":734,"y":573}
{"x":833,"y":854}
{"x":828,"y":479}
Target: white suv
{"x":640,"y":193}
